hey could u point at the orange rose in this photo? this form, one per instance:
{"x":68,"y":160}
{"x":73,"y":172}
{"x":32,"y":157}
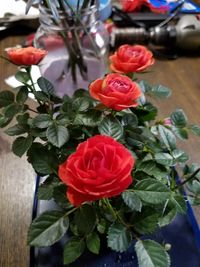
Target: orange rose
{"x":115,"y":91}
{"x":131,"y":58}
{"x":26,"y":56}
{"x":100,"y":168}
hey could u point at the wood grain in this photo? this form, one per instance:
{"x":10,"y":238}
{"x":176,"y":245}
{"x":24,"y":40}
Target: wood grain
{"x":16,"y":189}
{"x":17,"y":177}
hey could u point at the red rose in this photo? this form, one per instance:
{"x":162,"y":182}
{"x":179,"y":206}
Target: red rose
{"x":26,"y":56}
{"x":132,"y":5}
{"x":100,"y":168}
{"x":136,"y":5}
{"x":115,"y":91}
{"x":131,"y":58}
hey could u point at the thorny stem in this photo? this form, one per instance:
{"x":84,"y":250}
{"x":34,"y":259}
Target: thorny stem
{"x":32,"y":88}
{"x":188,"y":179}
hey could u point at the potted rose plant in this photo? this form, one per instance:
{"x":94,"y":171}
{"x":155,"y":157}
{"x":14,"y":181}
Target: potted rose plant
{"x":106,"y":160}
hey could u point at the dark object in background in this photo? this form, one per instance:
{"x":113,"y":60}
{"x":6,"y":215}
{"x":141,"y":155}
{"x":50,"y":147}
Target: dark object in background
{"x":185,"y":35}
{"x":17,"y":25}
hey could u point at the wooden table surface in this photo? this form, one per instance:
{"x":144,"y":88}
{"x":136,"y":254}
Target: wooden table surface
{"x":17,"y":177}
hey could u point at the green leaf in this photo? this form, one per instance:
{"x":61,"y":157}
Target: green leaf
{"x":11,"y":110}
{"x":151,"y":254}
{"x":111,"y":126}
{"x":15,"y":130}
{"x":48,"y":228}
{"x":63,"y":119}
{"x":152,"y":112}
{"x":81,"y":104}
{"x":22,"y":76}
{"x":145,"y":222}
{"x":21,"y":145}
{"x":42,"y":121}
{"x":42,"y":96}
{"x":6,"y":98}
{"x":73,"y":250}
{"x":152,"y":191}
{"x":57,"y":135}
{"x":132,"y":200}
{"x":195,"y":187}
{"x":22,"y":95}
{"x":46,"y":86}
{"x":85,"y":219}
{"x":167,"y":218}
{"x":130,"y":119}
{"x":151,"y":168}
{"x":145,"y":86}
{"x":101,"y":226}
{"x":4,"y":121}
{"x":46,"y":189}
{"x":167,"y":137}
{"x":180,"y":155}
{"x":23,"y":119}
{"x":93,"y":243}
{"x":195,"y":129}
{"x":119,"y":238}
{"x":42,"y":160}
{"x":181,"y":133}
{"x":90,"y":119}
{"x":179,"y":118}
{"x":160,"y":91}
{"x":179,"y":202}
{"x":59,"y":195}
{"x":164,"y":159}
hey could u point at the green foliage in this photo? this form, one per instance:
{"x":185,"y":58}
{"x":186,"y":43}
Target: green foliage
{"x":159,"y":91}
{"x":119,"y":237}
{"x":22,"y":77}
{"x":21,"y":145}
{"x":152,"y":191}
{"x":179,"y":118}
{"x":112,"y":127}
{"x":6,"y":98}
{"x":45,"y":86}
{"x":51,"y":131}
{"x":146,"y":221}
{"x":48,"y":228}
{"x":57,"y":135}
{"x":73,"y":250}
{"x":93,"y":243}
{"x":167,"y":137}
{"x":151,"y":254}
{"x":85,"y":219}
{"x":132,"y":200}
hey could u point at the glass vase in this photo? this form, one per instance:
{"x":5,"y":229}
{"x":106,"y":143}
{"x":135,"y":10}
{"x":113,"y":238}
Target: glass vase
{"x":77,"y":43}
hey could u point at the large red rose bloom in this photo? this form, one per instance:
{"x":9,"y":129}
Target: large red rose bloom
{"x":100,"y":168}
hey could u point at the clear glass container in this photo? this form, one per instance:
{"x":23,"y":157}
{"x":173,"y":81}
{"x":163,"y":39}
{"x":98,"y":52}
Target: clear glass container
{"x":77,"y":48}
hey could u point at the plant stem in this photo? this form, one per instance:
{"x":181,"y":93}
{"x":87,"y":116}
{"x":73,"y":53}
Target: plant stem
{"x":33,"y":110}
{"x":112,"y":211}
{"x":188,"y":179}
{"x":70,"y":211}
{"x":32,"y":87}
